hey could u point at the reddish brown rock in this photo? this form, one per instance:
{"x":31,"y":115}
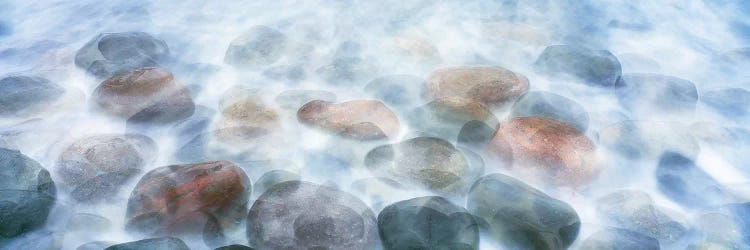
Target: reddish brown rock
{"x":146,"y":94}
{"x":487,"y":85}
{"x":555,"y":150}
{"x":358,"y":119}
{"x":197,"y":198}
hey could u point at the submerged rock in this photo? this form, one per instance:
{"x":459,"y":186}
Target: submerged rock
{"x":204,"y":198}
{"x":294,"y":99}
{"x":164,"y":243}
{"x":654,"y":95}
{"x":430,"y":222}
{"x":302,"y":215}
{"x":542,"y":147}
{"x":110,"y":54}
{"x":27,"y":194}
{"x":425,"y":162}
{"x":635,"y":210}
{"x":259,"y":46}
{"x":553,"y":106}
{"x":446,"y":116}
{"x":97,"y":166}
{"x":490,"y":86}
{"x":401,"y":91}
{"x":593,"y":67}
{"x":359,"y":119}
{"x":520,"y":216}
{"x":21,"y":95}
{"x":145,"y":95}
{"x":619,"y":239}
{"x":683,"y":182}
{"x":732,"y":103}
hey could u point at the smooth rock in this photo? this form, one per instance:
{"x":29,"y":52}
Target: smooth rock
{"x":95,"y":245}
{"x":656,"y":96}
{"x":425,"y":162}
{"x":520,"y":216}
{"x":553,"y":106}
{"x":619,"y":239}
{"x":164,"y":243}
{"x":546,"y":149}
{"x":259,"y":46}
{"x":490,"y":86}
{"x":302,"y":215}
{"x":475,"y":135}
{"x":22,"y":95}
{"x":430,"y":222}
{"x":27,"y":194}
{"x":685,"y":183}
{"x":235,"y":247}
{"x":97,"y":166}
{"x":85,"y":222}
{"x":273,"y":177}
{"x":110,"y":54}
{"x":598,"y":68}
{"x":396,"y":90}
{"x":445,"y":117}
{"x":636,"y":211}
{"x":358,"y":119}
{"x":733,"y":103}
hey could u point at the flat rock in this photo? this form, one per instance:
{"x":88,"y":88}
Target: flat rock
{"x":358,"y":119}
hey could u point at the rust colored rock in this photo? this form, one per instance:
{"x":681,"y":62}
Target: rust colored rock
{"x":555,"y":150}
{"x":487,"y":85}
{"x":197,"y":198}
{"x":358,"y":119}
{"x":148,"y":94}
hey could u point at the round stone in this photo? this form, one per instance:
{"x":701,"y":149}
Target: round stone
{"x":485,"y":85}
{"x":358,"y":119}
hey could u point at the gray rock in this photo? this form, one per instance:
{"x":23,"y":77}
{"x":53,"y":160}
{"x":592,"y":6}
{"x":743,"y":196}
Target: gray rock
{"x":259,"y":46}
{"x":649,"y":95}
{"x":21,"y":94}
{"x":85,"y":222}
{"x":235,"y":247}
{"x":272,"y":178}
{"x":19,"y":172}
{"x":396,"y":90}
{"x":732,"y":103}
{"x":619,"y":239}
{"x":430,"y":222}
{"x":475,"y":135}
{"x":520,"y":216}
{"x":635,"y":210}
{"x":302,"y":215}
{"x":685,"y":183}
{"x":593,"y":67}
{"x":164,"y":243}
{"x":109,"y":54}
{"x":37,"y":240}
{"x":95,"y":245}
{"x":294,"y":99}
{"x":553,"y":106}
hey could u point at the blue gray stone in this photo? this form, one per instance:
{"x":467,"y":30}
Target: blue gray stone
{"x":553,"y":106}
{"x":259,"y":46}
{"x":109,"y":54}
{"x":619,"y":239}
{"x":164,"y":243}
{"x":647,"y":95}
{"x":593,"y":67}
{"x":635,"y":210}
{"x":685,"y":183}
{"x":733,"y":103}
{"x":21,"y":94}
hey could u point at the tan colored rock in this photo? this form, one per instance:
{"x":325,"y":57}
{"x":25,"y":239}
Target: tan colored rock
{"x":487,"y":85}
{"x":358,"y":119}
{"x":555,"y":150}
{"x":244,"y":116}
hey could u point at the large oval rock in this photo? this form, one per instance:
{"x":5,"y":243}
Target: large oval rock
{"x":553,"y":106}
{"x":205,"y":198}
{"x":619,"y":239}
{"x":656,"y":96}
{"x":109,"y":54}
{"x":682,"y":181}
{"x":164,"y":243}
{"x":259,"y":46}
{"x":635,"y":210}
{"x":425,"y":162}
{"x":430,"y":222}
{"x":27,"y":193}
{"x":146,"y":95}
{"x":302,"y":215}
{"x":486,"y":85}
{"x":97,"y":166}
{"x":542,"y":147}
{"x":358,"y":119}
{"x":21,"y":94}
{"x":521,"y":217}
{"x":732,"y":103}
{"x":592,"y":67}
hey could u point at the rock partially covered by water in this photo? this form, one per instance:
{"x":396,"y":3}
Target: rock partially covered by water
{"x":273,"y":177}
{"x":302,"y":215}
{"x":110,"y":54}
{"x":150,"y":95}
{"x":542,"y":147}
{"x":475,"y":135}
{"x":425,"y":162}
{"x":243,"y":112}
{"x":732,"y":103}
{"x":400,"y":91}
{"x":521,"y":217}
{"x":635,"y":210}
{"x":619,"y":239}
{"x":446,"y":116}
{"x":164,"y":243}
{"x":553,"y":106}
{"x":358,"y":119}
{"x":21,"y":95}
{"x":294,"y":99}
{"x":205,"y":198}
{"x":739,"y":213}
{"x":259,"y":46}
{"x":682,"y":181}
{"x":41,"y":239}
{"x":635,"y":140}
{"x":97,"y":166}
{"x":654,"y":95}
{"x":490,"y":86}
{"x":27,"y":193}
{"x":235,"y":247}
{"x":430,"y":222}
{"x":592,"y":67}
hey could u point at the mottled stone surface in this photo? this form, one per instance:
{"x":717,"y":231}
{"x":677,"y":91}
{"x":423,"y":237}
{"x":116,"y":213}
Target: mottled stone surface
{"x":21,"y":95}
{"x":189,"y":199}
{"x":635,"y":210}
{"x":109,"y":54}
{"x":164,"y":243}
{"x":542,"y":147}
{"x":425,"y":162}
{"x":656,"y":96}
{"x":553,"y":106}
{"x":686,"y":183}
{"x":294,"y":99}
{"x":144,"y":95}
{"x":430,"y":222}
{"x":486,"y":85}
{"x":97,"y":166}
{"x":303,"y":215}
{"x":619,"y":239}
{"x":592,"y":67}
{"x":359,"y":119}
{"x":258,"y":46}
{"x":27,"y":194}
{"x":520,"y":216}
